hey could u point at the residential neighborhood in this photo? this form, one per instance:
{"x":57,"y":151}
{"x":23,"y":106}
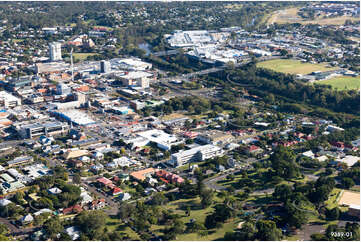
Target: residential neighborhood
{"x":121,"y":123}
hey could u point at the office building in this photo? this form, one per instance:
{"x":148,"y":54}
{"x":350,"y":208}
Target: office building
{"x":199,"y":153}
{"x":28,"y":131}
{"x":63,"y":89}
{"x":16,"y":83}
{"x":55,"y":51}
{"x":105,"y":66}
{"x":136,"y":78}
{"x":8,"y":100}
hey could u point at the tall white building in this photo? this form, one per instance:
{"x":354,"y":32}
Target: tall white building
{"x":199,"y":153}
{"x":55,"y":51}
{"x":7,"y":100}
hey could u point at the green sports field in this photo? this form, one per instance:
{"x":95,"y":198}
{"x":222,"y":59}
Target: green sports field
{"x":82,"y":56}
{"x":343,"y":82}
{"x":293,"y":66}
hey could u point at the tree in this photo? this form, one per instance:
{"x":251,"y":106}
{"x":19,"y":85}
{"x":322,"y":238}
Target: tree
{"x":177,"y":228}
{"x":159,"y":199}
{"x":206,"y":198}
{"x":195,"y":227}
{"x":283,"y":52}
{"x":283,"y":162}
{"x":53,"y":226}
{"x":247,"y":232}
{"x":19,"y":197}
{"x":294,"y":217}
{"x":188,"y":211}
{"x":333,"y":214}
{"x":282,"y":192}
{"x":347,"y":182}
{"x":3,"y":229}
{"x":77,"y":178}
{"x":90,"y":222}
{"x":318,"y":237}
{"x":267,"y":230}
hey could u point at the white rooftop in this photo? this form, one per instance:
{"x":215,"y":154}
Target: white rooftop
{"x":136,"y":75}
{"x":158,"y":136}
{"x":350,"y":160}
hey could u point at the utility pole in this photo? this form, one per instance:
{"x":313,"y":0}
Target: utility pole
{"x":72,"y":65}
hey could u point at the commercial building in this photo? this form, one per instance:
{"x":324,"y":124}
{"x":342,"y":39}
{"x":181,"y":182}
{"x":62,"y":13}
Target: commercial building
{"x":66,"y":105}
{"x":133,"y":64}
{"x":14,"y":84}
{"x":55,"y":51}
{"x":196,"y":154}
{"x":105,"y":66}
{"x":215,"y":137}
{"x":77,"y":117}
{"x":63,"y":89}
{"x":136,"y":78}
{"x":29,"y":131}
{"x":162,"y":139}
{"x":8,"y":100}
{"x":189,"y":38}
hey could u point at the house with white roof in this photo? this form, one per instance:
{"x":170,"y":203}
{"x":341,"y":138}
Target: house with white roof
{"x":54,"y":191}
{"x":4,"y":202}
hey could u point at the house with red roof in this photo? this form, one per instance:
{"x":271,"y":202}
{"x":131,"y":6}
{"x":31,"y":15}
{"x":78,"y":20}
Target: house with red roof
{"x":253,"y":149}
{"x":338,"y":145}
{"x":73,"y":209}
{"x":97,"y":204}
{"x":116,"y":191}
{"x":104,"y":181}
{"x":169,"y":177}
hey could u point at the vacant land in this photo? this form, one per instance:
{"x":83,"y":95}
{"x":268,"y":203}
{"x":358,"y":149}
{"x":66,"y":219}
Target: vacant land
{"x":173,"y":116}
{"x":285,"y":16}
{"x":82,"y":56}
{"x":343,"y":82}
{"x":290,"y":16}
{"x":293,"y":66}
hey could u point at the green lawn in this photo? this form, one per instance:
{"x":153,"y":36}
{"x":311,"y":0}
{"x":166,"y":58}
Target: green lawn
{"x":333,"y":198}
{"x":293,"y":66}
{"x":114,"y":224}
{"x":214,"y":234}
{"x":198,"y":214}
{"x":343,"y":82}
{"x":17,"y":40}
{"x":82,"y":56}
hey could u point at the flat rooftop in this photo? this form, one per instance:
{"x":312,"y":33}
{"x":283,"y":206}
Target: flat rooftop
{"x":349,"y":198}
{"x":136,"y":74}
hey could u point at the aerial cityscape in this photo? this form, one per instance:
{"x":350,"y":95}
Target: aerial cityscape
{"x":180,"y":121}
